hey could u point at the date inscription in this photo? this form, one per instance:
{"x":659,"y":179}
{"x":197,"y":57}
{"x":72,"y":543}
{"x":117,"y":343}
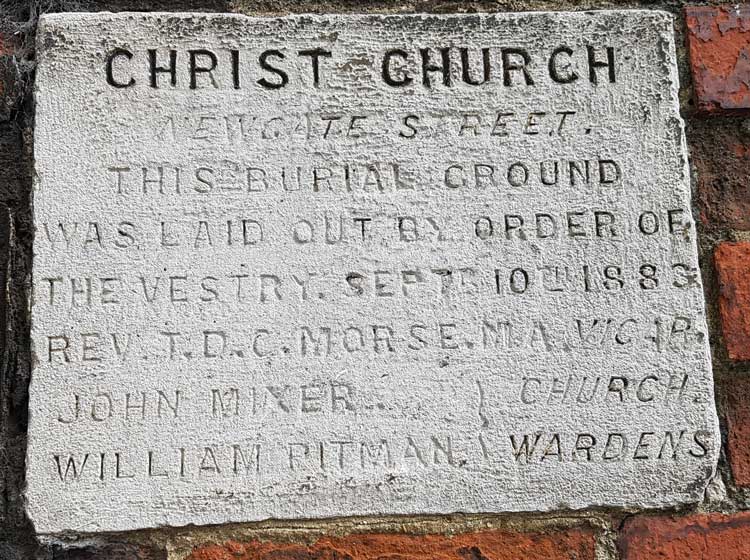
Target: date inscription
{"x":328,"y":266}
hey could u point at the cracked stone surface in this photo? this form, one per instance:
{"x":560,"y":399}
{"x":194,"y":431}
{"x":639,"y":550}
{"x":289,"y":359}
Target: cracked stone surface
{"x":323,"y":266}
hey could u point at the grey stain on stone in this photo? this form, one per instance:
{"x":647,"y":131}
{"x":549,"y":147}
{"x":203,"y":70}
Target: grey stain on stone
{"x":278,"y":284}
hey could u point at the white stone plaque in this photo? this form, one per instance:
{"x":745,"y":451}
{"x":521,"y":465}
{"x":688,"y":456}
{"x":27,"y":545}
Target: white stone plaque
{"x":348,"y":265}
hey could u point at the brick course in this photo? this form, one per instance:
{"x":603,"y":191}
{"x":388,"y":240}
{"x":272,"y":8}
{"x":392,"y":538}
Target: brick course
{"x":708,"y":537}
{"x":737,"y":415}
{"x":733,"y":268}
{"x":570,"y":544}
{"x":720,"y":154}
{"x":719,"y":48}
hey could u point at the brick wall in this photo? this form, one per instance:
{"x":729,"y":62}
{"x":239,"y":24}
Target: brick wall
{"x":714,"y":60}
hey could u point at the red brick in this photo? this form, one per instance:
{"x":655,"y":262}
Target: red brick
{"x":738,"y":429}
{"x":571,"y":544}
{"x":708,"y":537}
{"x":719,"y":49}
{"x":733,"y":267}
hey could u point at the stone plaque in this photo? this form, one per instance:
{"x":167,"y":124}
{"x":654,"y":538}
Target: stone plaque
{"x":329,"y":266}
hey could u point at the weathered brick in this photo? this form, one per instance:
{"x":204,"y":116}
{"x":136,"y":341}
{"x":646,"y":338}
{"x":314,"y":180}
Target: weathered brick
{"x":708,"y":537}
{"x":719,"y":46}
{"x":570,"y":544}
{"x":737,"y":413}
{"x":733,"y":267}
{"x":720,"y":152}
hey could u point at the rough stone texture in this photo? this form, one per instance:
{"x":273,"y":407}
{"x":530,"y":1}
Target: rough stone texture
{"x":708,"y":537}
{"x":720,"y":152}
{"x":431,"y":382}
{"x":733,"y":266}
{"x":136,"y":5}
{"x":737,"y":416}
{"x":571,"y":544}
{"x":283,"y":7}
{"x":719,"y":47}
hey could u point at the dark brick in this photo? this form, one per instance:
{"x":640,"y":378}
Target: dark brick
{"x":737,"y":414}
{"x":720,"y":152}
{"x":116,"y":551}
